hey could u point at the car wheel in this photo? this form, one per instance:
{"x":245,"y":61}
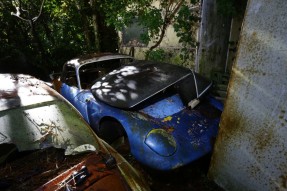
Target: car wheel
{"x":114,"y":134}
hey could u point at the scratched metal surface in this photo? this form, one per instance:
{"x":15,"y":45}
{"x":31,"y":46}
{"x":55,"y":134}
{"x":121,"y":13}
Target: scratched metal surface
{"x":251,"y":149}
{"x":32,"y":116}
{"x":22,"y":90}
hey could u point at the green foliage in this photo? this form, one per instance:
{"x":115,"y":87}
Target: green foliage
{"x":145,"y":38}
{"x":61,"y":32}
{"x":64,"y":36}
{"x":116,"y":12}
{"x":157,"y":55}
{"x":11,"y":29}
{"x":185,"y":24}
{"x":156,"y":20}
{"x":152,"y":20}
{"x":52,"y":33}
{"x":64,"y":28}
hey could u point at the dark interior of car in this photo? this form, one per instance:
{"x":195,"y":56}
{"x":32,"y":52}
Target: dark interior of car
{"x":28,"y":170}
{"x":90,"y":72}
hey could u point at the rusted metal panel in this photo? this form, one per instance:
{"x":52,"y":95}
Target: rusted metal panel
{"x":251,"y":148}
{"x":90,"y":174}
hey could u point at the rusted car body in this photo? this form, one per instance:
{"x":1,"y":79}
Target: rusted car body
{"x":162,"y":112}
{"x":46,"y":145}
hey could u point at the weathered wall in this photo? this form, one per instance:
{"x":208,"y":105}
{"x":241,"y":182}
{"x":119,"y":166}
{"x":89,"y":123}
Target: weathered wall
{"x":213,"y":39}
{"x":170,"y":44}
{"x":233,"y":42}
{"x":251,"y":149}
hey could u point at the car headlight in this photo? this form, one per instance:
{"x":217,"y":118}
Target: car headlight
{"x":161,"y":142}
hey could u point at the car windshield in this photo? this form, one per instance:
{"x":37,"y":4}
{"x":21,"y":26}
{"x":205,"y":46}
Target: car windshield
{"x":91,"y":71}
{"x":132,"y":84}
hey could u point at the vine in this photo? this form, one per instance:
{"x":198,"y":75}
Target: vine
{"x":185,"y":26}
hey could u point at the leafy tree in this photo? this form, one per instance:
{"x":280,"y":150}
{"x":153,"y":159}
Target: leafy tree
{"x":16,"y":38}
{"x":30,"y":18}
{"x":185,"y":25}
{"x":156,"y":19}
{"x":44,"y":34}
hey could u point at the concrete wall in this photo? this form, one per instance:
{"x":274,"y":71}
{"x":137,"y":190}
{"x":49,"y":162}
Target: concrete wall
{"x":251,"y":149}
{"x":170,"y":45}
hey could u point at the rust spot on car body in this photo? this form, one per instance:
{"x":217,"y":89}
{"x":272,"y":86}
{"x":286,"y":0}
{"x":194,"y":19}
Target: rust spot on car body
{"x":168,"y":118}
{"x":98,"y":176}
{"x":169,"y":129}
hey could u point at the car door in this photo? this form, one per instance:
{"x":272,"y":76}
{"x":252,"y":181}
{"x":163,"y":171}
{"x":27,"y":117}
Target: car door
{"x":78,"y":98}
{"x":72,"y":90}
{"x":80,"y":102}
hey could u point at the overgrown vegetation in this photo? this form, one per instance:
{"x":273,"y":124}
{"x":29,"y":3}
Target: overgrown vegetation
{"x":41,"y":35}
{"x":186,"y":23}
{"x":156,"y":18}
{"x":157,"y":55}
{"x":44,"y":34}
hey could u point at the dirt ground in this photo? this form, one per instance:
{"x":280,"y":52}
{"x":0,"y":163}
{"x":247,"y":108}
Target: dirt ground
{"x":192,"y":177}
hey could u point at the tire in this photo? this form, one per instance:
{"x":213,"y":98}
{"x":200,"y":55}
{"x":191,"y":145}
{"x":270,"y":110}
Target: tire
{"x":114,"y":134}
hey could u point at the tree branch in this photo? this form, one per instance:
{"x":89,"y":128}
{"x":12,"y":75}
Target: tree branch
{"x":17,"y":14}
{"x":167,"y":22}
{"x":19,"y":9}
{"x":40,"y":12}
{"x":176,"y":8}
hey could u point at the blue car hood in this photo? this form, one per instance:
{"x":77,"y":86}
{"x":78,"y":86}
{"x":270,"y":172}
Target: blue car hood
{"x":196,"y":126}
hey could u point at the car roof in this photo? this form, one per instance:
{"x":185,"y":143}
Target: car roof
{"x":18,"y":90}
{"x":134,"y":83}
{"x":95,"y":57}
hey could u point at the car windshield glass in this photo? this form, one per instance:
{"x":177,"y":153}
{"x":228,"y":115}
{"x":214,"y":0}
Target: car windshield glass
{"x":91,"y":71}
{"x":49,"y":124}
{"x":132,"y":84}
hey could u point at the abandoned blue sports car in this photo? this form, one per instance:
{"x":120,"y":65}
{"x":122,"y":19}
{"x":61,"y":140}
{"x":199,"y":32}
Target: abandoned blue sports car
{"x":162,"y":112}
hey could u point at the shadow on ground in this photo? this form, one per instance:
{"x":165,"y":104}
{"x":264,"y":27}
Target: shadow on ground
{"x":192,"y":177}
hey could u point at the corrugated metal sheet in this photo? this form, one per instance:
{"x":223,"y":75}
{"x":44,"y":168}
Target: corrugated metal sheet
{"x":251,"y":149}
